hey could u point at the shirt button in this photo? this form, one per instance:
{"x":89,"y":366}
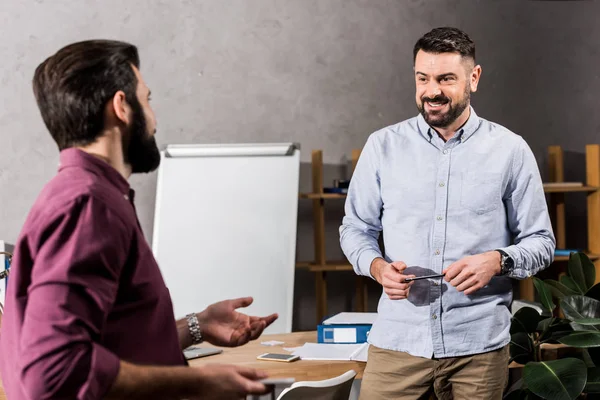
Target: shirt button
{"x":439,"y":218}
{"x":445,"y":151}
{"x":126,"y":197}
{"x":434,"y":316}
{"x":442,"y":184}
{"x":436,"y":284}
{"x":437,"y":252}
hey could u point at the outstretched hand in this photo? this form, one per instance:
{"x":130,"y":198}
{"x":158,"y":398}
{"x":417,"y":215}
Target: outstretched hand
{"x":222,"y":325}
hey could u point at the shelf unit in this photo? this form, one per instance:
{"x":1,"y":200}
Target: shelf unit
{"x":556,"y":194}
{"x":321,"y":266}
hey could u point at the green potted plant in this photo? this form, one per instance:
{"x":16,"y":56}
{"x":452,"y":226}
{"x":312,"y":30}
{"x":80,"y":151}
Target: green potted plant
{"x":575,"y":324}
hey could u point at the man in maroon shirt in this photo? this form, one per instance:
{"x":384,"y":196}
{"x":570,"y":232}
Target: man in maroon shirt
{"x":87,"y":313}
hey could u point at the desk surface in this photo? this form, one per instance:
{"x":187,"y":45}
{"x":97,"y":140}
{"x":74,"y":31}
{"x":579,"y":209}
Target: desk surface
{"x":301,"y":370}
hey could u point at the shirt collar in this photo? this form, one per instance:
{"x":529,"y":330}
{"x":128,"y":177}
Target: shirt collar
{"x":467,"y":130}
{"x":73,"y":157}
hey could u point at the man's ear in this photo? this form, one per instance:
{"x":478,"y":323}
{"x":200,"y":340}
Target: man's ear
{"x":119,"y":108}
{"x":474,"y":78}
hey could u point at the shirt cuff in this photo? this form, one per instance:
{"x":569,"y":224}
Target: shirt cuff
{"x":365,"y":259}
{"x":513,"y":255}
{"x":103,"y":373}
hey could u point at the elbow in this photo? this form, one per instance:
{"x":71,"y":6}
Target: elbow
{"x":60,"y":376}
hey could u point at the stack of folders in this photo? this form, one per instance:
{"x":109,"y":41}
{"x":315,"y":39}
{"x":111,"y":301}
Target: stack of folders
{"x":346,"y":327}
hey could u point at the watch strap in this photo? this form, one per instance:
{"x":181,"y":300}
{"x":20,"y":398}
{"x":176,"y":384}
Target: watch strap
{"x":194,"y":327}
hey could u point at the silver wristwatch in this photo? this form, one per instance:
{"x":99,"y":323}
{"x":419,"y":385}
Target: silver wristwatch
{"x":194,"y":327}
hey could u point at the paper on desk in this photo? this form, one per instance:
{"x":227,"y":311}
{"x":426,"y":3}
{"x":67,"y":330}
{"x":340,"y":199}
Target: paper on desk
{"x":334,"y":352}
{"x":272,"y":343}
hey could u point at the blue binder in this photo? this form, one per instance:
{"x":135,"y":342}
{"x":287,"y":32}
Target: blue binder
{"x":342,"y":333}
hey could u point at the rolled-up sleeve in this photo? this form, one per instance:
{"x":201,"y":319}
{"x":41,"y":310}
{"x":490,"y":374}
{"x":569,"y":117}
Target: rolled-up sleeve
{"x":528,"y":218}
{"x":74,"y":284}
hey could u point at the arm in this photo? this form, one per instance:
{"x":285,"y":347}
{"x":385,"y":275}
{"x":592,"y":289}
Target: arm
{"x":361,"y":225}
{"x":74,"y":282}
{"x":222,"y":325}
{"x":528,"y":219}
{"x":529,"y":222}
{"x":135,"y":382}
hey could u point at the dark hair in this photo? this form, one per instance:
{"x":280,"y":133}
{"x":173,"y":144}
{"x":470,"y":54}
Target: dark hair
{"x":445,"y":40}
{"x":73,"y":86}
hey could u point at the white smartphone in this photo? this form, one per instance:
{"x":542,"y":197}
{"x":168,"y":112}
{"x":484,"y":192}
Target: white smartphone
{"x":196,"y":352}
{"x":278,"y":357}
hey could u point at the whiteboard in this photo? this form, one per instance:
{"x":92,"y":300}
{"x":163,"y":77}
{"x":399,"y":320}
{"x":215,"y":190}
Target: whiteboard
{"x":225,"y":226}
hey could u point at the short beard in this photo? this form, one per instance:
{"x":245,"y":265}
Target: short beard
{"x":444,"y":120}
{"x":139,"y":147}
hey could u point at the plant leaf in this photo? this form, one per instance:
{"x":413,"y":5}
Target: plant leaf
{"x":545,"y":295}
{"x":518,"y":394}
{"x":521,"y":348}
{"x":582,"y":270}
{"x":588,"y":321}
{"x":571,"y":284}
{"x":593,"y":381}
{"x":580,"y":308}
{"x":558,"y":380}
{"x":582,"y":339}
{"x":525,"y":320}
{"x":558,"y":289}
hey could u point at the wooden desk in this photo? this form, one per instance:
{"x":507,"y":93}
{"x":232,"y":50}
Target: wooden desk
{"x":303,"y":370}
{"x":317,"y":370}
{"x":300,"y":370}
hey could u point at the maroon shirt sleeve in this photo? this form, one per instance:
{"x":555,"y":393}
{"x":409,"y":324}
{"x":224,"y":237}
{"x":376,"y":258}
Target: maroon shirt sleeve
{"x":79,"y":253}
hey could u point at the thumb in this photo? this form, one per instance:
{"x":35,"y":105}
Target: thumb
{"x":398,"y":266}
{"x":241,"y":302}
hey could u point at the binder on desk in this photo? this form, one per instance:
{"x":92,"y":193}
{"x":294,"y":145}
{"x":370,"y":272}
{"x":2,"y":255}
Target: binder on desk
{"x":346,"y":328}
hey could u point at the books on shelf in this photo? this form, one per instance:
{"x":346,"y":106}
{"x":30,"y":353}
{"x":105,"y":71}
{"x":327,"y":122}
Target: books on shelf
{"x":564,"y":252}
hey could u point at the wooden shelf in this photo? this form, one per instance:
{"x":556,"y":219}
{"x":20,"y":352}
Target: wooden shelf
{"x":322,"y":196}
{"x":320,"y":265}
{"x":328,"y":266}
{"x":568,"y":188}
{"x":566,"y":258}
{"x":557,"y":207}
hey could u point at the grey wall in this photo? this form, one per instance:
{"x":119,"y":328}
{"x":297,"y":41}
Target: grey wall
{"x":324,"y":73}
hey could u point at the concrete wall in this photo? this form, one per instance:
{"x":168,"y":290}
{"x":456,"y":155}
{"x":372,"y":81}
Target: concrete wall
{"x":325,"y":73}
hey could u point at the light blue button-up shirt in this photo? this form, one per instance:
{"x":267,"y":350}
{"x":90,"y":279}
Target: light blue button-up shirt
{"x":437,"y":202}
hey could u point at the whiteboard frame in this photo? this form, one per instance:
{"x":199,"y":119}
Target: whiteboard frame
{"x":233,"y":150}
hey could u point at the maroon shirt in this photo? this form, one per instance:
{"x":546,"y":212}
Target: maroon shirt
{"x":84,"y":290}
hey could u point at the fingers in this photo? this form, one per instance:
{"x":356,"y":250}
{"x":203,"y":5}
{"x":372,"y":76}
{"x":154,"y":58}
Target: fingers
{"x":460,"y":278}
{"x":252,"y":373}
{"x":470,"y":284}
{"x":256,"y":329}
{"x":241,"y":302}
{"x":396,"y":281}
{"x":397,"y":294}
{"x":268,"y":320}
{"x":453,"y":270}
{"x":249,"y":378}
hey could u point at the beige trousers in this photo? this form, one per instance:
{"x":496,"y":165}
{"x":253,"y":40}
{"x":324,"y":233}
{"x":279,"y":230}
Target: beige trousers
{"x":391,"y":375}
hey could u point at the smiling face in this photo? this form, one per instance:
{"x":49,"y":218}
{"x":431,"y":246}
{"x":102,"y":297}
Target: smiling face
{"x":444,"y":82}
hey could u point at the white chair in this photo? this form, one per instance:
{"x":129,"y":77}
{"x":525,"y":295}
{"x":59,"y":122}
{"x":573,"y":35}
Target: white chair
{"x":337,"y":388}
